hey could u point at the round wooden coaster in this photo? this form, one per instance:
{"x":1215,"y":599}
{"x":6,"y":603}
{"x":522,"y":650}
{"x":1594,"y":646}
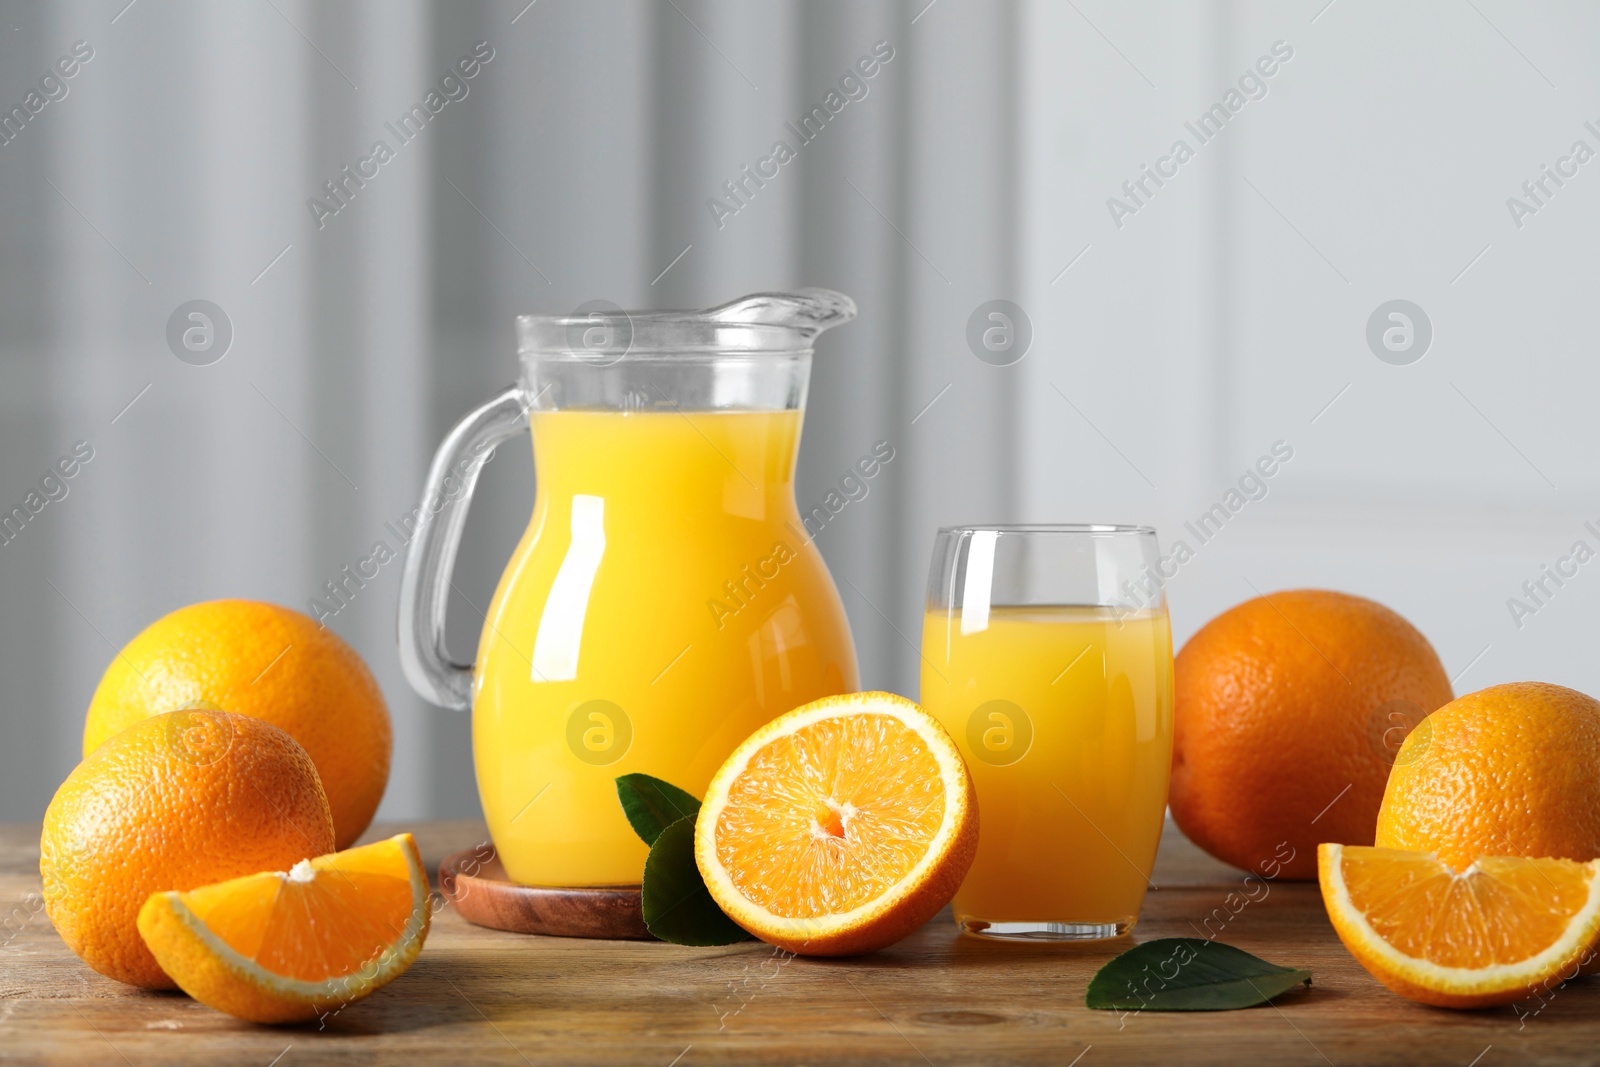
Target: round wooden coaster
{"x":474,"y":881}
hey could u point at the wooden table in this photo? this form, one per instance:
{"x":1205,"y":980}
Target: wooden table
{"x":482,"y":997}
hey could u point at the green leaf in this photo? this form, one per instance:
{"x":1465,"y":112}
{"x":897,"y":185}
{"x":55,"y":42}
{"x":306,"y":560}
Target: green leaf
{"x":1189,"y":974}
{"x":652,"y":805}
{"x":677,"y":906}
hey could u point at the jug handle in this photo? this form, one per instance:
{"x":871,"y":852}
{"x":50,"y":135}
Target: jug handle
{"x":425,"y":581}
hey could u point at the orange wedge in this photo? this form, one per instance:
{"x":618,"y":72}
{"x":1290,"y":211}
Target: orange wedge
{"x":1497,"y":932}
{"x":840,"y":827}
{"x":289,"y":946}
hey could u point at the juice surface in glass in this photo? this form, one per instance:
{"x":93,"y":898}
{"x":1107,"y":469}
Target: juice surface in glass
{"x":664,"y":603}
{"x":1064,"y":715}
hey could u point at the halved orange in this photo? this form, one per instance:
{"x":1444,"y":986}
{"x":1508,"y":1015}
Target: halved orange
{"x":840,"y":827}
{"x":1494,"y":933}
{"x":289,"y":946}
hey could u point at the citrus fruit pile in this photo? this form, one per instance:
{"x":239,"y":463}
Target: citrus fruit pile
{"x":1456,"y":841}
{"x":1488,"y":888}
{"x":175,"y":801}
{"x":228,"y":751}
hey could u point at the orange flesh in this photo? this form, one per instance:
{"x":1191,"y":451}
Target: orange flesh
{"x":1503,"y":910}
{"x":325,"y":928}
{"x":827,"y":818}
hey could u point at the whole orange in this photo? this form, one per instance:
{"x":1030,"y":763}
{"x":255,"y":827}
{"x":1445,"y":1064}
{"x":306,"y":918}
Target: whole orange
{"x":1512,"y":770}
{"x":175,"y":801}
{"x":1288,"y":711}
{"x":269,"y":663}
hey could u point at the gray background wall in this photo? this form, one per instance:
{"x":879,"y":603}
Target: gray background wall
{"x":1229,"y":312}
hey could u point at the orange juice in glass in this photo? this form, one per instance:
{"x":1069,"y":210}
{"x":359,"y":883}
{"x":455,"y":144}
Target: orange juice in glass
{"x":1048,"y":656}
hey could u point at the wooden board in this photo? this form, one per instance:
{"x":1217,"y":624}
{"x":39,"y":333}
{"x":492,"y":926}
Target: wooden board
{"x":484,"y":997}
{"x":478,"y":888}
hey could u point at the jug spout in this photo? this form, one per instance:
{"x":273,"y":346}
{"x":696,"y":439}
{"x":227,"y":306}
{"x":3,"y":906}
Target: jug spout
{"x":761,"y":323}
{"x":807,"y":311}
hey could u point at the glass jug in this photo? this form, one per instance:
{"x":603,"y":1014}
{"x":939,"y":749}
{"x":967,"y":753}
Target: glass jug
{"x":665,"y":600}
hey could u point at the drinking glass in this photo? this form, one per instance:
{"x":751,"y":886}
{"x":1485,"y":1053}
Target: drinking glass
{"x":1047,"y":655}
